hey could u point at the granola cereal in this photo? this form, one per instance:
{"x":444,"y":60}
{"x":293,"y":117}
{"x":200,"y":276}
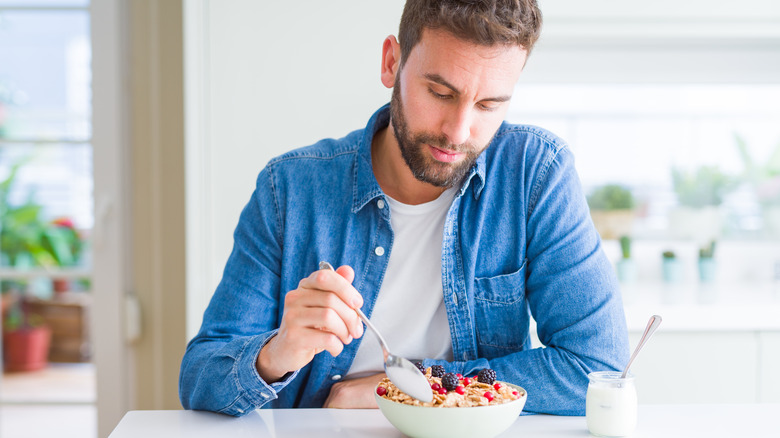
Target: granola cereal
{"x":459,"y":391}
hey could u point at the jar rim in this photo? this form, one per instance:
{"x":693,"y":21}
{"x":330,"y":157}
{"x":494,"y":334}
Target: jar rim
{"x":604,"y":376}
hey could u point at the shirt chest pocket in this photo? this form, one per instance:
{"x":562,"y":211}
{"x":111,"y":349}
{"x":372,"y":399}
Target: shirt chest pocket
{"x":501,"y":313}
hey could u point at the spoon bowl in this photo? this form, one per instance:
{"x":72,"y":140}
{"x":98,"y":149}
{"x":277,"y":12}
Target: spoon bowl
{"x":402,"y":372}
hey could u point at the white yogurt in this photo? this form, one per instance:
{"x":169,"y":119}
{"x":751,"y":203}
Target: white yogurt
{"x":610,"y":404}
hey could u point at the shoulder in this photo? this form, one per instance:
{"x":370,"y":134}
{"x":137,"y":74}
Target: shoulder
{"x":327,"y":163}
{"x":529,"y":147}
{"x":323,"y":150}
{"x":521,"y":137}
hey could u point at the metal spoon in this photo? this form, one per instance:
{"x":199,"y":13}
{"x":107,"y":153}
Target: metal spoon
{"x":652,"y":324}
{"x":402,"y":372}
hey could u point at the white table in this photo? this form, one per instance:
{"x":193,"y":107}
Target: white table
{"x":663,"y":421}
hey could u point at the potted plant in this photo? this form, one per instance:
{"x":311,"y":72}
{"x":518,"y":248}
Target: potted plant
{"x":26,"y":339}
{"x":612,"y":210}
{"x":699,"y":195}
{"x":672,"y":268}
{"x":707,"y":263}
{"x":626,"y":268}
{"x":27,"y":241}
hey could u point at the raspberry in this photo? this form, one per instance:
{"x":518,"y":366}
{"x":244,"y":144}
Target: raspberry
{"x":449,"y":381}
{"x":437,"y":371}
{"x":420,"y":367}
{"x":486,"y":376}
{"x":381,"y":390}
{"x":489,"y":396}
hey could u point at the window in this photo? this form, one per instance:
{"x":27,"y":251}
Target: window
{"x":675,"y":104}
{"x":639,"y":135}
{"x":46,"y":201}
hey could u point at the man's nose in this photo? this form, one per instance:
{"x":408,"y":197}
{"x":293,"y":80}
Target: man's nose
{"x":457,"y":125}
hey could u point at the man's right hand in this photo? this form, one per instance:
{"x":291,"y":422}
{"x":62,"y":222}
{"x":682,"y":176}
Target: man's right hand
{"x":319,"y":315}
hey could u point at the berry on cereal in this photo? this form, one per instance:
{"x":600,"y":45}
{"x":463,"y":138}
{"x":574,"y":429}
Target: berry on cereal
{"x":449,"y":381}
{"x":486,"y":376}
{"x":437,"y":370}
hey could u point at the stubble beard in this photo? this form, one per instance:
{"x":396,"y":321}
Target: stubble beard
{"x":413,"y":146}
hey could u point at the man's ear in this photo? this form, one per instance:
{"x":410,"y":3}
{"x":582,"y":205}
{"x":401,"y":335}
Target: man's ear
{"x":391,"y":60}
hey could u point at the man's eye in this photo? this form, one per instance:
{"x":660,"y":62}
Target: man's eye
{"x":487,"y":107}
{"x":440,"y":96}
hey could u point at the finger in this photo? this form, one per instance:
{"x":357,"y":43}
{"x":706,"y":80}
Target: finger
{"x":315,"y":341}
{"x":330,"y":281}
{"x":321,"y":318}
{"x":311,"y":298}
{"x":347,"y":272}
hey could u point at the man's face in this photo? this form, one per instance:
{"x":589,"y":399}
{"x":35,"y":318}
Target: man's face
{"x":449,"y":99}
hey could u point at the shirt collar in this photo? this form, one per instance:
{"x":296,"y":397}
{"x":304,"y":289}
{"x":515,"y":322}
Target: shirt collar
{"x":366,"y":187}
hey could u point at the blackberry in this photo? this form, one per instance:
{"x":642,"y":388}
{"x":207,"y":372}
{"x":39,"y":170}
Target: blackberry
{"x":420,"y":367}
{"x":486,"y":375}
{"x":449,"y":381}
{"x":437,"y":371}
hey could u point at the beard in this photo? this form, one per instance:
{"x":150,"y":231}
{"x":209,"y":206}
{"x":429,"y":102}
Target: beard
{"x":413,"y":145}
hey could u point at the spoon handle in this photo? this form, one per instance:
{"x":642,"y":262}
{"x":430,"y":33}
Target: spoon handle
{"x":327,"y":266}
{"x":652,"y":324}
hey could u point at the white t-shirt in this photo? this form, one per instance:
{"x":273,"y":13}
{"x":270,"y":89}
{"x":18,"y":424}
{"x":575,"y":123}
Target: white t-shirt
{"x":409,"y":310}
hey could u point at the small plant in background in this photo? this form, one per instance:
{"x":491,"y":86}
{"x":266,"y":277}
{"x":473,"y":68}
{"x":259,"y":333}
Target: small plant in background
{"x":611,"y":197}
{"x":625,"y":247}
{"x":19,"y":317}
{"x":707,"y":252}
{"x":707,"y":267}
{"x":626,"y":268}
{"x":707,"y":186}
{"x":612,"y":210}
{"x":672,"y":268}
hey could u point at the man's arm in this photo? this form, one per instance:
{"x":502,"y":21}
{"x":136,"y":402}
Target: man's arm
{"x":244,"y":353}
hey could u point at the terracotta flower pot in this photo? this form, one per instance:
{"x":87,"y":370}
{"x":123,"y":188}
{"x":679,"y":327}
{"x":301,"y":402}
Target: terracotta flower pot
{"x":26,"y":349}
{"x":60,"y":285}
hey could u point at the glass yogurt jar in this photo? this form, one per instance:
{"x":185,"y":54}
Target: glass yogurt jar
{"x":610,"y":404}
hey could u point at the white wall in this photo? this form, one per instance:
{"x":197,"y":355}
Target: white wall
{"x":264,"y":78}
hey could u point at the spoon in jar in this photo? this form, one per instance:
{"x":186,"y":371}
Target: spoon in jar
{"x":652,"y":324}
{"x":402,"y":372}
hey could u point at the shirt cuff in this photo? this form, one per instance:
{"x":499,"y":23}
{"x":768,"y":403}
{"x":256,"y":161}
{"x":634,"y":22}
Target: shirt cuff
{"x":256,"y":389}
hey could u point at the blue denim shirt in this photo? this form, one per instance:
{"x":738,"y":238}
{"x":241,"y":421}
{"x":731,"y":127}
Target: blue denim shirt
{"x":518,"y":243}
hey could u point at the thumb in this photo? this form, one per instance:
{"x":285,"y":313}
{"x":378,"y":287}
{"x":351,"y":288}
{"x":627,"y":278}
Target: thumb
{"x":347,"y":272}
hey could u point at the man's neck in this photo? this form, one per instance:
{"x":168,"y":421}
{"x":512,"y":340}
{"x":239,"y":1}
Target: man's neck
{"x":394,"y":176}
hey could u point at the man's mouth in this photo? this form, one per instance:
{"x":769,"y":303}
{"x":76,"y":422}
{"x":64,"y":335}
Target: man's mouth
{"x":444,"y":155}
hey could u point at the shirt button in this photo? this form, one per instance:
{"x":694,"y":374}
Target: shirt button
{"x":336,"y":377}
{"x":379,"y":251}
{"x":380,"y":203}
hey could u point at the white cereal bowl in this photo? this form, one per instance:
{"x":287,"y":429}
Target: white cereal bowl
{"x":430,"y":422}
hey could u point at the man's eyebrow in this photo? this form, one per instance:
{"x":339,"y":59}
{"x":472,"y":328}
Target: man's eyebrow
{"x":433,"y":77}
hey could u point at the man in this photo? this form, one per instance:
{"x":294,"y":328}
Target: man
{"x":451,"y":229}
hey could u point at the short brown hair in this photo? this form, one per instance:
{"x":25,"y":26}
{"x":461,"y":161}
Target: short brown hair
{"x":484,"y":22}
